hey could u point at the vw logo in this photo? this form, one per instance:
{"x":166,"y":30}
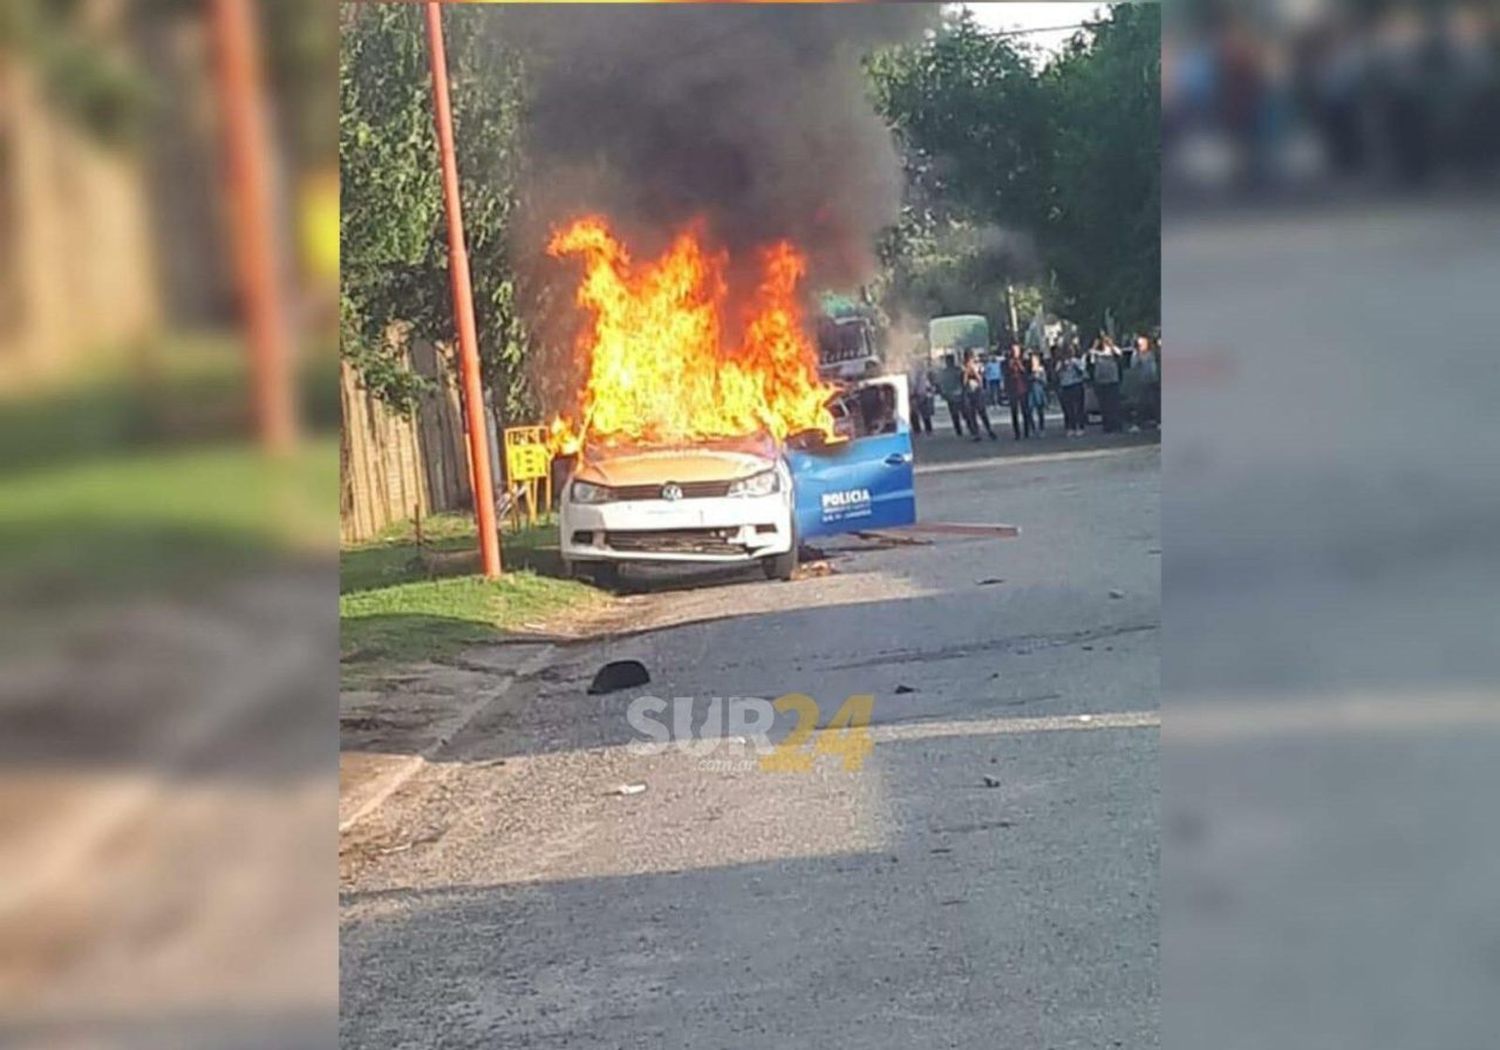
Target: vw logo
{"x":671,"y":491}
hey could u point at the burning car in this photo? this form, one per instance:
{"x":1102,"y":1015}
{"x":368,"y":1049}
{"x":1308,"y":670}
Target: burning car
{"x":728,"y":501}
{"x":703,"y":430}
{"x":743,"y":501}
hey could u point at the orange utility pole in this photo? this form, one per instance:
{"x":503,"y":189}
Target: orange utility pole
{"x":463,"y":303}
{"x":247,"y":143}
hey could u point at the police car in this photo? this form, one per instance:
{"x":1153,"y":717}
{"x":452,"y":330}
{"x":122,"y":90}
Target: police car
{"x":749,"y":501}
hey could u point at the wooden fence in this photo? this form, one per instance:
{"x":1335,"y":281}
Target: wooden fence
{"x":393,"y":465}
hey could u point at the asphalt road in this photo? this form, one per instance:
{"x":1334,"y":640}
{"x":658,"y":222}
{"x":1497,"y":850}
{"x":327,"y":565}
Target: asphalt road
{"x":987,"y":878}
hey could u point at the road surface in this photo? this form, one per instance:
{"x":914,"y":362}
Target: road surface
{"x":987,"y":878}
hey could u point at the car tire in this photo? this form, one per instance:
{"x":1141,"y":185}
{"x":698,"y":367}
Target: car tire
{"x":783,"y":566}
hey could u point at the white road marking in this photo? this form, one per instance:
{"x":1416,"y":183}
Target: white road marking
{"x":1210,"y":721}
{"x":1022,"y":461}
{"x":1009,"y":726}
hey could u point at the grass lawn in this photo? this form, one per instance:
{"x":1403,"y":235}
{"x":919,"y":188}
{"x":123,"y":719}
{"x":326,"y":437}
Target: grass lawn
{"x":399,"y":603}
{"x":153,"y":520}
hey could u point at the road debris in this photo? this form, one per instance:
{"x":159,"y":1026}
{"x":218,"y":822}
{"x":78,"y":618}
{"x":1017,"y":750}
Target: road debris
{"x":885,"y":539}
{"x":619,"y":674}
{"x":990,"y":582}
{"x":812,"y":570}
{"x":1117,"y":594}
{"x":991,"y":782}
{"x":901,"y":689}
{"x":629,"y":789}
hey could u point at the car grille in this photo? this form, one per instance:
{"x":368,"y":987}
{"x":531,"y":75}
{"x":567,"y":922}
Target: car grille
{"x":690,"y":490}
{"x":675,"y":541}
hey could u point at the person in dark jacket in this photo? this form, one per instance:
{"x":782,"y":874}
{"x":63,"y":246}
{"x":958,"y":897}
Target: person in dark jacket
{"x":951,"y":386}
{"x":1017,"y":390}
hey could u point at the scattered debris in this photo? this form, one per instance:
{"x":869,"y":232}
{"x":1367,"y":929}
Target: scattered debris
{"x":991,"y":782}
{"x":1088,"y":648}
{"x":421,"y":840}
{"x":813,"y":569}
{"x":900,"y":689}
{"x":619,"y":674}
{"x":941,"y":849}
{"x":1085,"y":718}
{"x":1117,"y":594}
{"x":885,"y":539}
{"x":952,"y":900}
{"x":990,"y":582}
{"x":629,"y":789}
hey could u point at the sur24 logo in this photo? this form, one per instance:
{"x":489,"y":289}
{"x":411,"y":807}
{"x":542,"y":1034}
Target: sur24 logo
{"x":664,"y":724}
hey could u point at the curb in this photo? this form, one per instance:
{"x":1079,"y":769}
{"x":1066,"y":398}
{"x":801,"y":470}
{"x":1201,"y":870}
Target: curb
{"x":395,"y":779}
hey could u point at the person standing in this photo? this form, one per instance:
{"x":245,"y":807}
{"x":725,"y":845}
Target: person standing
{"x":1148,"y":360}
{"x":1017,"y":389}
{"x":951,"y":386}
{"x":921,"y":400}
{"x":992,"y":379}
{"x":1036,"y":397}
{"x":1070,"y":377}
{"x":1106,"y":361}
{"x":974,"y":396}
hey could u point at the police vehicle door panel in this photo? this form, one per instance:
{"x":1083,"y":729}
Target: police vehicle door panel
{"x":865,"y":482}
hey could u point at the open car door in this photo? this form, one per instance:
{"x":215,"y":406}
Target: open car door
{"x":865,"y":482}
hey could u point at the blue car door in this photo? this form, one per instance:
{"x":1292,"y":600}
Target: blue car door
{"x":865,"y":482}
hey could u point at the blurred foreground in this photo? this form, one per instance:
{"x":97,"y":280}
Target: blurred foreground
{"x":167,"y":627}
{"x":1332,"y":682}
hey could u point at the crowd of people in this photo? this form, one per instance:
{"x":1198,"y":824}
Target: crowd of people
{"x":1125,"y":384}
{"x":1252,"y":97}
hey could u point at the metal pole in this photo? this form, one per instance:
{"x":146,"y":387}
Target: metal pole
{"x":252,"y":212}
{"x":463,"y":303}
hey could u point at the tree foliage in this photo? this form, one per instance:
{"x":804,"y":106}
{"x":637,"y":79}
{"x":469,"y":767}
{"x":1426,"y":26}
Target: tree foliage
{"x":1103,"y":220}
{"x":1022,"y":172}
{"x":393,"y":232}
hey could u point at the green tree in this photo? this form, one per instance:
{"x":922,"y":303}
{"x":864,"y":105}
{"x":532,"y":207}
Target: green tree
{"x":1022,"y":173}
{"x":966,"y":108}
{"x":1102,"y":229}
{"x":393,"y":239}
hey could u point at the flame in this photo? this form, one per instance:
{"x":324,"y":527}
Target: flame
{"x":661,"y":369}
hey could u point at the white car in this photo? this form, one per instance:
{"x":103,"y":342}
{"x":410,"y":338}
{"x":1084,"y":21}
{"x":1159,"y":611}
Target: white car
{"x":743,"y":500}
{"x":724,"y":502}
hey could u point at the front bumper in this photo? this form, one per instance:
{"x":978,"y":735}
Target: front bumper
{"x":716,"y":530}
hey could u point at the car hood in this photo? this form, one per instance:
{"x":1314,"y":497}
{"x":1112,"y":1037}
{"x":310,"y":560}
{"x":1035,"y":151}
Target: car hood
{"x":659,"y":467}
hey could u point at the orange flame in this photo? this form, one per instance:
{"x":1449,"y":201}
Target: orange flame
{"x":660,"y":370}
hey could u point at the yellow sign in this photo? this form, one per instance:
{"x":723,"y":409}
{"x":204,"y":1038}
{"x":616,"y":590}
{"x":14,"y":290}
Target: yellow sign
{"x":528,"y":467}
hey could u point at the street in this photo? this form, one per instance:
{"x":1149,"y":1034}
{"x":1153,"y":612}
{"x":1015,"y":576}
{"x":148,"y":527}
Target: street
{"x":987,"y":878}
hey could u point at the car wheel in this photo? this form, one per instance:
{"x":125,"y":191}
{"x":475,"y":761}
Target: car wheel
{"x":782,"y":566}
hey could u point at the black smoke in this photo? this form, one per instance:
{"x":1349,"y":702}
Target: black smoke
{"x":752,"y":118}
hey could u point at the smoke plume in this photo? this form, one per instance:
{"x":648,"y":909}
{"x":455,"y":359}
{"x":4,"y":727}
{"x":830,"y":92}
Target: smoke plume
{"x":753,"y":119}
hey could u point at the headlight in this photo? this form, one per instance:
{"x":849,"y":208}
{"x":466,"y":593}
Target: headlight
{"x":585,"y":492}
{"x":762,"y":484}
